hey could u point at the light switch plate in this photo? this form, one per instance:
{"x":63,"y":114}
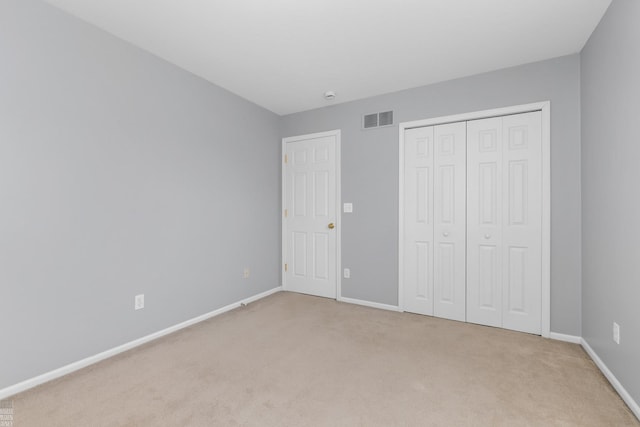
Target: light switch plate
{"x":348,"y":208}
{"x":139,"y":302}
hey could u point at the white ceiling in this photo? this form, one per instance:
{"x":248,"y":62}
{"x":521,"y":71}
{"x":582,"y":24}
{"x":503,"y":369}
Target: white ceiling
{"x":284,"y":54}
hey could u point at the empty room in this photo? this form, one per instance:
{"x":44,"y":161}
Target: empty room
{"x":319,"y":213}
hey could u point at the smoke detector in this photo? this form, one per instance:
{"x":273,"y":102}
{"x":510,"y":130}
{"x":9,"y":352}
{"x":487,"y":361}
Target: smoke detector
{"x":329,"y":95}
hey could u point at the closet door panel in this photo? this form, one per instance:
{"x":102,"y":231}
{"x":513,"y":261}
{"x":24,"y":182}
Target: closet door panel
{"x":522,"y":228}
{"x":418,"y":243}
{"x":450,"y":221}
{"x":484,"y":221}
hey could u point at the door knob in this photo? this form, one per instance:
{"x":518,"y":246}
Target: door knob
{"x":445,"y":234}
{"x":487,"y":236}
{"x":331,"y":226}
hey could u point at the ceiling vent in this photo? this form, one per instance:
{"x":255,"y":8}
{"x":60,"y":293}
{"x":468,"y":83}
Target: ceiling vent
{"x":376,"y":120}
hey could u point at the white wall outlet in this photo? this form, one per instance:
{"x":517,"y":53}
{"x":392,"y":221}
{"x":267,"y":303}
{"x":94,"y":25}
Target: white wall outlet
{"x":616,"y":333}
{"x":347,"y":273}
{"x":246,"y":273}
{"x":139,"y":302}
{"x":348,"y":208}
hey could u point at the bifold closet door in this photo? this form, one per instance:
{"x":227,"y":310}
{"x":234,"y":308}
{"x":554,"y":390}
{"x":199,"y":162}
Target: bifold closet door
{"x":504,"y":222}
{"x":449,"y":237}
{"x":418,"y":220}
{"x":434,"y":220}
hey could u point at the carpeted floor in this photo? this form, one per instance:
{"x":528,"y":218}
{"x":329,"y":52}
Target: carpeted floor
{"x":296,"y":360}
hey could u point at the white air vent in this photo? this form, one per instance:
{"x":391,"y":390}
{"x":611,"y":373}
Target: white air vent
{"x":376,"y":120}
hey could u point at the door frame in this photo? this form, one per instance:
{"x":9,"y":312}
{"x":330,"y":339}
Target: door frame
{"x":337,"y":134}
{"x":545,"y":108}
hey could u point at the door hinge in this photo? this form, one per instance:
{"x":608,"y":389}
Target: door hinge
{"x":286,"y":212}
{"x":286,"y":158}
{"x":285,"y":268}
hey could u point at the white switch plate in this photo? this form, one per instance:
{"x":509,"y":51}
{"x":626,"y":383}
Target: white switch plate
{"x":616,"y":333}
{"x":348,"y":208}
{"x":347,"y":273}
{"x":246,"y":273}
{"x":139,"y":302}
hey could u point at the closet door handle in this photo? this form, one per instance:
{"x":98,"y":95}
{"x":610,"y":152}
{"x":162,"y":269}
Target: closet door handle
{"x":445,"y":234}
{"x":487,"y":236}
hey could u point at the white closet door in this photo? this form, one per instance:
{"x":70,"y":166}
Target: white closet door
{"x":418,"y":221}
{"x":504,"y":222}
{"x":484,"y":221}
{"x":449,"y":285}
{"x":522,"y":228}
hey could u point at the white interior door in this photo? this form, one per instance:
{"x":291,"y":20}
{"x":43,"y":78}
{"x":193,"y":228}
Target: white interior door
{"x":504,"y":222}
{"x":484,"y":221}
{"x":310,"y":214}
{"x":522,"y":228}
{"x":450,"y":221}
{"x":418,"y":220}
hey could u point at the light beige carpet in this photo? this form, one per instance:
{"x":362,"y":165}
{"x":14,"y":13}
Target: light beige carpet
{"x":295,"y":360}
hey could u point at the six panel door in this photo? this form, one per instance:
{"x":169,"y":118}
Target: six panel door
{"x":311,"y":211}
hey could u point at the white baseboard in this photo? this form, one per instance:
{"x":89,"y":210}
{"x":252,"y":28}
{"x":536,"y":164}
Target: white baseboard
{"x":566,"y":338}
{"x":633,"y":405}
{"x":57,"y":373}
{"x":369,"y":304}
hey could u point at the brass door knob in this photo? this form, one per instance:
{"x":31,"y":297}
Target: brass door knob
{"x":331,"y":226}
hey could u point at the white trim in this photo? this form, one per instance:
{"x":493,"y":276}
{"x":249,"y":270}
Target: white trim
{"x":402,"y":128}
{"x":566,"y":338}
{"x":369,"y":304}
{"x":545,"y":109}
{"x":283,"y":202}
{"x":338,"y":213}
{"x":545,"y":318}
{"x":75,"y":366}
{"x":475,"y":115}
{"x":624,"y":394}
{"x":337,"y":134}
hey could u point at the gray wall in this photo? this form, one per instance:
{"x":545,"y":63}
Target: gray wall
{"x":120,"y":174}
{"x":610,"y":194}
{"x":370,"y":173}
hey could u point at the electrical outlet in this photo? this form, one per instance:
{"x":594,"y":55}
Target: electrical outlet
{"x":139,"y":302}
{"x":246,"y":273}
{"x":347,"y":273}
{"x":347,"y":208}
{"x":616,"y":333}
